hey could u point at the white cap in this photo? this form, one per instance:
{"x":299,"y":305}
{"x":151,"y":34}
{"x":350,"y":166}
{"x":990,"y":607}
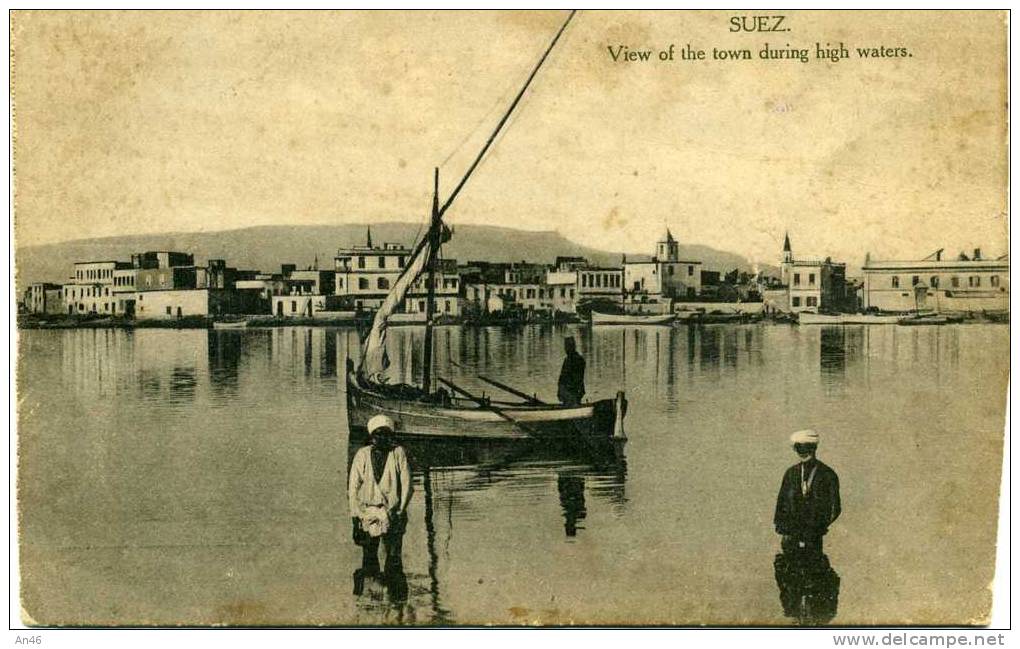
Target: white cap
{"x":380,"y":421}
{"x":807,"y":436}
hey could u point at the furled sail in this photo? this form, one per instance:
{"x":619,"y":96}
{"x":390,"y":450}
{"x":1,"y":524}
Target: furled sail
{"x":374,"y":360}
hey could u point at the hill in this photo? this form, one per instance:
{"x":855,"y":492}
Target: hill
{"x":266,"y":247}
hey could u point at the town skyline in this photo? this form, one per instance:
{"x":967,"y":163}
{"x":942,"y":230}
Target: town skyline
{"x":220,"y":121}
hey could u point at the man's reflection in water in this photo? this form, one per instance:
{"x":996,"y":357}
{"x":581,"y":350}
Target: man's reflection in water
{"x":572,"y":500}
{"x":808,"y":503}
{"x":808,"y":586}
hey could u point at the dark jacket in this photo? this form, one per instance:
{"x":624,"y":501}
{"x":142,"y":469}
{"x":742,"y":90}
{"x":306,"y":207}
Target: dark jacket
{"x":571,"y":387}
{"x":807,"y":517}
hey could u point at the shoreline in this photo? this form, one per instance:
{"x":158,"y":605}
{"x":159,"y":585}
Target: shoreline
{"x":261,"y":322}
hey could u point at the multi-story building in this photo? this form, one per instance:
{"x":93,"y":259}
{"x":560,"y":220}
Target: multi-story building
{"x":963,"y":284}
{"x":664,"y":274}
{"x":44,"y":298}
{"x":596,"y":283}
{"x":365,"y":274}
{"x":90,"y":290}
{"x":812,"y":285}
{"x":561,"y":287}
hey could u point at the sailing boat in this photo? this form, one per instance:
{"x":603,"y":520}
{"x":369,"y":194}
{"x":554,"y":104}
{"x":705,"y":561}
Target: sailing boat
{"x":420,"y":411}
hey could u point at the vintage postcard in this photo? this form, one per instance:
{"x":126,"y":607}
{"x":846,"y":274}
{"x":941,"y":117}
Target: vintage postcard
{"x":443,"y":318}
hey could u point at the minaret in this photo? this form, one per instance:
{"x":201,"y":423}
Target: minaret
{"x":668,"y":249}
{"x":787,"y":263}
{"x":369,"y":237}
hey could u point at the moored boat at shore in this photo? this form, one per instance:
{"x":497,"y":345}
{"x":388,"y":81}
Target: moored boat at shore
{"x":808,"y":318}
{"x":631,"y":318}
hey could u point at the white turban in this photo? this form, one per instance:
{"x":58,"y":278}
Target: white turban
{"x":380,"y":421}
{"x":807,"y":436}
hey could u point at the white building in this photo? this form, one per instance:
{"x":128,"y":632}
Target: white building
{"x":810,"y":285}
{"x":665,"y":274}
{"x":365,"y":274}
{"x":963,"y":284}
{"x":91,"y":289}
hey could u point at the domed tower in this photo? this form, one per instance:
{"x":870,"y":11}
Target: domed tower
{"x":668,"y":249}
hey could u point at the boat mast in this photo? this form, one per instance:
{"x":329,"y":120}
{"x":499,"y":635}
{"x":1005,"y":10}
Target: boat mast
{"x":430,"y":286}
{"x":435,"y":229}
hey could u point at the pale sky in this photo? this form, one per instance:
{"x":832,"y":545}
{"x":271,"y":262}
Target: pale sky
{"x":133,"y":123}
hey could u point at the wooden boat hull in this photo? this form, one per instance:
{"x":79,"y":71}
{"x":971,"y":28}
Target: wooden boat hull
{"x":463,"y":419}
{"x":916,"y":321}
{"x":241,"y":324}
{"x":806,"y":318}
{"x":631,"y":319}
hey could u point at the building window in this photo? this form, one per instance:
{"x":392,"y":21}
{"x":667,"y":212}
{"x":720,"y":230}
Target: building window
{"x":361,"y":262}
{"x":954,"y":282}
{"x":340,"y":282}
{"x":169,"y":311}
{"x":382,"y":261}
{"x":895,"y":281}
{"x":796,"y":279}
{"x":421,"y":305}
{"x":994,"y":280}
{"x":363,"y":283}
{"x":974,"y":281}
{"x":934,"y":281}
{"x":446,"y":306}
{"x":400,"y":262}
{"x":383,"y":283}
{"x":584,"y":281}
{"x":293,"y":306}
{"x":812,"y":301}
{"x":915,"y":280}
{"x":796,"y":301}
{"x":811,"y":280}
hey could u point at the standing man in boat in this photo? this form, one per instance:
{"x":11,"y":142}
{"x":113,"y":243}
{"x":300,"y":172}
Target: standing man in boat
{"x":378,"y":491}
{"x":571,"y":386}
{"x":808,"y":501}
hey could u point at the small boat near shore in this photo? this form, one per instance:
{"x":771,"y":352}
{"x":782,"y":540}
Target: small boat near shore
{"x":808,"y":318}
{"x":631,"y":318}
{"x":929,"y":319}
{"x":236,"y":323}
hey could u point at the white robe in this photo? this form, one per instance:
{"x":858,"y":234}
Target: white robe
{"x":391,"y":491}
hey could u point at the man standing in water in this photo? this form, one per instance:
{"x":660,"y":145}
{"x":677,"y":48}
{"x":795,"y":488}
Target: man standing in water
{"x":808,"y":503}
{"x":808,"y":499}
{"x":378,"y":491}
{"x":571,"y":387}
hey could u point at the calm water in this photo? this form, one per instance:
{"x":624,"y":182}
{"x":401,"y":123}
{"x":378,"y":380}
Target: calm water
{"x":200,"y":477}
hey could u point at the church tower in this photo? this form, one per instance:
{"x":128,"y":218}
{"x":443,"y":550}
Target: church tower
{"x":668,"y":249}
{"x":787,"y":263}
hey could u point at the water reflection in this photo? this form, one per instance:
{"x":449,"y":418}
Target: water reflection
{"x":571,"y":488}
{"x":239,"y":436}
{"x":449,"y":471}
{"x":808,"y":587}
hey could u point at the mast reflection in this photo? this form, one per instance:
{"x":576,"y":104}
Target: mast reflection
{"x":446,"y":470}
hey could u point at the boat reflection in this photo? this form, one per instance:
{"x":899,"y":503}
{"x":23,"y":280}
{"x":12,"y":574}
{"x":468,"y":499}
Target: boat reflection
{"x":446,"y":471}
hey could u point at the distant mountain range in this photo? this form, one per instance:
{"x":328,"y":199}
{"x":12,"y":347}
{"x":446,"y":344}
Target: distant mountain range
{"x":265,"y":248}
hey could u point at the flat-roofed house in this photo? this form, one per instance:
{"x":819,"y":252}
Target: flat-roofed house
{"x":963,"y":284}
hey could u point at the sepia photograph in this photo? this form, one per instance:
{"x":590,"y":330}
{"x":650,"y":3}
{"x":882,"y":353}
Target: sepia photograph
{"x":554,"y":318}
